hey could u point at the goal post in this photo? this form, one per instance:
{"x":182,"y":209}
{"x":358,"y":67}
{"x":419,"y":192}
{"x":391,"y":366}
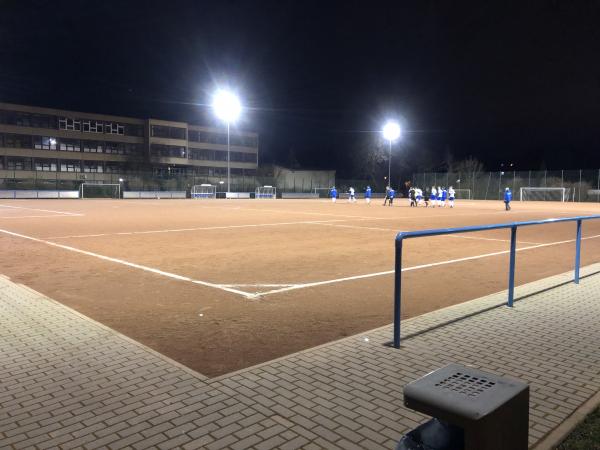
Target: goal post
{"x":204,"y":191}
{"x":462,"y":194}
{"x":266,"y":192}
{"x":541,"y":194}
{"x":93,"y":190}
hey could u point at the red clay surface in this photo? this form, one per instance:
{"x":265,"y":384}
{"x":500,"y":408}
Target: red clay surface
{"x":183,"y":275}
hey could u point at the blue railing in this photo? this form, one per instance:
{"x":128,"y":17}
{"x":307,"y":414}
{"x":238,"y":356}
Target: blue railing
{"x":400,"y":237}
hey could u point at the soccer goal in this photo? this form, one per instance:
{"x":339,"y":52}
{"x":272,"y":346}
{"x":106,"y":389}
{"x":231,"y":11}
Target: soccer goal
{"x":548,"y":194}
{"x":464,"y":194}
{"x":266,"y":192}
{"x":204,"y":191}
{"x":92,"y":190}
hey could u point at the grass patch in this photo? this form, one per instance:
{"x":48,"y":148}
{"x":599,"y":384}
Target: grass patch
{"x":586,"y":436}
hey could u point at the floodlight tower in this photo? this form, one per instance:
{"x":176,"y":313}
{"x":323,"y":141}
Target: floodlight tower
{"x":391,"y":132}
{"x":227,"y":108}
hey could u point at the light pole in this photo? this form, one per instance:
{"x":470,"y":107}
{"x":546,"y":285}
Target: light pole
{"x":391,"y":132}
{"x":227,"y":108}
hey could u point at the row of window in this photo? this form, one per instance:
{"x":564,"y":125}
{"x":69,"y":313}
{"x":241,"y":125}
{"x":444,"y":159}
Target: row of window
{"x":53,"y":165}
{"x":168,"y":151}
{"x":24,"y":119}
{"x":167,"y":132}
{"x":221,"y":139}
{"x":69,"y":145}
{"x":218,"y":155}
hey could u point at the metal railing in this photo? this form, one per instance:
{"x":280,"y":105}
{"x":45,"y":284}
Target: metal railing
{"x":400,"y":237}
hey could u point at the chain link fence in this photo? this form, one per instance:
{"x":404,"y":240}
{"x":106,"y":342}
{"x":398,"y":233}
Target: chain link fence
{"x":580,"y":185}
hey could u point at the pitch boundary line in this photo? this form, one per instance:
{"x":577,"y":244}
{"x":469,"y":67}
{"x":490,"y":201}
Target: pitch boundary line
{"x":133,"y":265}
{"x":42,"y":210}
{"x":39,"y":217}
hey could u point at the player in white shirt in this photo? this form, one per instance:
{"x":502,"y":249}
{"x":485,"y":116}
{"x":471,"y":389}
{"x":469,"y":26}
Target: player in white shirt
{"x":451,"y":194}
{"x":433,"y":196}
{"x":352,"y":197}
{"x":419,"y":193}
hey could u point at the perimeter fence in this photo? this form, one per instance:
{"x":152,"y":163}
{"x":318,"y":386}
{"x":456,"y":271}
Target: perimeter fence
{"x":581,"y":185}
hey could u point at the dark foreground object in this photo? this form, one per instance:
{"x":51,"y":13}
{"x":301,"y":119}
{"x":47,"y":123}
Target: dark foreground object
{"x":472,"y":410}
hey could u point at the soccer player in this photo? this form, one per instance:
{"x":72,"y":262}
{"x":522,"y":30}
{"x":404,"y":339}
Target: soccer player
{"x":444,"y":196}
{"x":439,"y":196}
{"x":507,"y":198}
{"x":391,"y":195}
{"x":387,"y":195}
{"x":412,"y":195}
{"x":419,"y":196}
{"x":368,"y":195}
{"x":333,"y":194}
{"x":433,"y":196}
{"x":451,"y":194}
{"x":352,"y":197}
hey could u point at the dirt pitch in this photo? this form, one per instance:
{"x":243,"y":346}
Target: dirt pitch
{"x":219,"y":285}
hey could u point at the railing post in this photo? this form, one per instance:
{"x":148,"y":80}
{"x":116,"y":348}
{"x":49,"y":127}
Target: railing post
{"x":577,"y":251}
{"x":397,"y":291}
{"x":511,"y":267}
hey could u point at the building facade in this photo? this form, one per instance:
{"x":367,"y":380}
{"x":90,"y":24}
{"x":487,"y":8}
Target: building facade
{"x":42,"y":148}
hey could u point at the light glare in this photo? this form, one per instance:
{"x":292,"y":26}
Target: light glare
{"x":391,"y":131}
{"x":227,"y":106}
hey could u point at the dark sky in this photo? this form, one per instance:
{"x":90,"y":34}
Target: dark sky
{"x":503,"y":81}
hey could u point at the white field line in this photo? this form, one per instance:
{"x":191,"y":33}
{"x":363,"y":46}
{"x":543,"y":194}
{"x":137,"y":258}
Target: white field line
{"x":178,"y":230}
{"x":408,"y":269}
{"x":133,"y":265}
{"x":397,"y":231}
{"x":39,"y":217}
{"x":42,"y":210}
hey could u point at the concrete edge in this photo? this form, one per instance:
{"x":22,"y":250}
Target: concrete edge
{"x":560,"y":433}
{"x":114,"y":332}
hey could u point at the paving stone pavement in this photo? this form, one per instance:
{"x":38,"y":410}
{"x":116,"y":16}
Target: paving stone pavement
{"x":69,"y":382}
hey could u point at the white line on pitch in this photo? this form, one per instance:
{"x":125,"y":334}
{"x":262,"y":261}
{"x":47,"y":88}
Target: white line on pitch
{"x":397,"y":231}
{"x":42,"y":210}
{"x":407,"y":269}
{"x":176,"y":230}
{"x":42,"y":217}
{"x":133,"y":265}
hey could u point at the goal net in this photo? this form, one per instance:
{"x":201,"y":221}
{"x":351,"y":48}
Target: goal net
{"x":91,"y":190}
{"x":266,"y":192}
{"x":538,"y":194}
{"x":464,"y":194}
{"x":204,"y":191}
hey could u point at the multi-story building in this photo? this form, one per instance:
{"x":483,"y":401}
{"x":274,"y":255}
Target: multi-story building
{"x":60,"y":149}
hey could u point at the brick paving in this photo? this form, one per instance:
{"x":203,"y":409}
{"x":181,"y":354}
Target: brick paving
{"x":69,"y":382}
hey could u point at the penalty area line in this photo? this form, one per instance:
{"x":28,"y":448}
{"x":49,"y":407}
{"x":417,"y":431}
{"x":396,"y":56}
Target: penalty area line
{"x":42,"y":210}
{"x":132,"y":265}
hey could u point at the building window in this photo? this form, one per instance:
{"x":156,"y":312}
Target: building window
{"x":168,"y":151}
{"x":114,"y":128}
{"x":93,"y":126}
{"x":114,"y":168}
{"x":202,"y":155}
{"x":70,"y":166}
{"x":70,"y":145}
{"x":18,"y":163}
{"x":66,"y":123}
{"x":162,"y":131}
{"x":220,"y":156}
{"x":44,"y":143}
{"x":134,"y":130}
{"x":17,"y":141}
{"x":193,"y":135}
{"x":92,"y":166}
{"x":45,"y":165}
{"x":92,"y":147}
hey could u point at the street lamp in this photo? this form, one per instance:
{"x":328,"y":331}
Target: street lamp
{"x":391,"y":132}
{"x":227,"y":108}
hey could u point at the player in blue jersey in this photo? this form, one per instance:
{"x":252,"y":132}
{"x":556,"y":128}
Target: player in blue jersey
{"x":391,"y":195}
{"x":368,"y":195}
{"x":333,"y":194}
{"x":433,"y":196}
{"x":444,"y":196}
{"x":507,"y":198}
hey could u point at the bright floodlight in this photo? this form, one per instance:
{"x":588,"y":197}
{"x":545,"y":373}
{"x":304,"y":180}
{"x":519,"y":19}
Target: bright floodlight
{"x":227,"y":106}
{"x":391,"y":131}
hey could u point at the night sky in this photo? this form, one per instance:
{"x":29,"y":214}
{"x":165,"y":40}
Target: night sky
{"x":503,"y":83}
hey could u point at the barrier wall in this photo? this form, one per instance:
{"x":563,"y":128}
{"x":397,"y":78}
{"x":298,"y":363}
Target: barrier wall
{"x":19,"y":193}
{"x":154,"y":194}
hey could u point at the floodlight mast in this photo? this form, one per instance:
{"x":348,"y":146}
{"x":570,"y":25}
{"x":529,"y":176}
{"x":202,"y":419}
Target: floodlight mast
{"x":391,"y":132}
{"x":227,"y":108}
